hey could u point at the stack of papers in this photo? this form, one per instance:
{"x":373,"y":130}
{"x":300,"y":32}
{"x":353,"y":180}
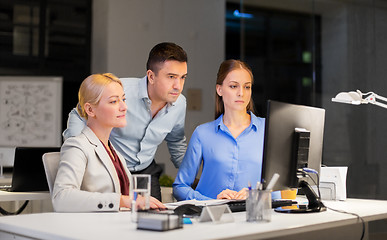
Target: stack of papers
{"x":195,"y":202}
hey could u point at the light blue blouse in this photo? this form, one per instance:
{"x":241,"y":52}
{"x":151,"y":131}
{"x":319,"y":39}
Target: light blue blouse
{"x":228,"y":163}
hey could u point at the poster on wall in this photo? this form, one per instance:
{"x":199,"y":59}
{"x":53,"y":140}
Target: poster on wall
{"x":30,"y":111}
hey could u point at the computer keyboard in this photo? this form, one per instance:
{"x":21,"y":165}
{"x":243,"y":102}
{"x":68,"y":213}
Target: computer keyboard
{"x":240,"y":205}
{"x":237,"y":205}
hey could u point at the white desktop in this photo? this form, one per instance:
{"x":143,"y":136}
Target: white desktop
{"x":118,"y":225}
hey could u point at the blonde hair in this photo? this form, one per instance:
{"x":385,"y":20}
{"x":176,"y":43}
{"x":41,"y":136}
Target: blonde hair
{"x":91,"y":90}
{"x":225,"y":68}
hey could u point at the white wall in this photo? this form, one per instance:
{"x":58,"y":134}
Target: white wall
{"x":124,"y":31}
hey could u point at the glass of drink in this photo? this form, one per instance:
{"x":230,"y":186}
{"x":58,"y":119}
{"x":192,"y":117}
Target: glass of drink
{"x":140,"y":192}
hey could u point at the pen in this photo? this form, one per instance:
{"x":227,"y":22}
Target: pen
{"x":135,"y":196}
{"x":273,"y":181}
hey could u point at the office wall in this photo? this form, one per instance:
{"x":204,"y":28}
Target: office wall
{"x":354,"y":54}
{"x":353,"y":57}
{"x":124,"y":31}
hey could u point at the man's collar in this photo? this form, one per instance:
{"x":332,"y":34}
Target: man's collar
{"x":143,"y":88}
{"x":143,"y":91}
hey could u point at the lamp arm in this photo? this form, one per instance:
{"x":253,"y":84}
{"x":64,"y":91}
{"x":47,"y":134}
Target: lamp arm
{"x":372,"y":97}
{"x":381,"y":98}
{"x":380,"y":104}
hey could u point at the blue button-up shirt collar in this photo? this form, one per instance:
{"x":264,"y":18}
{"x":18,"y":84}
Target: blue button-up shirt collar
{"x":219,"y":124}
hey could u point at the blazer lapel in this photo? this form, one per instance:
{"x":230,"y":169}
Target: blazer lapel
{"x":103,"y":156}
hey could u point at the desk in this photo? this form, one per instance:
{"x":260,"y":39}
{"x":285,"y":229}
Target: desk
{"x":10,"y":201}
{"x":6,"y":196}
{"x":23,"y":196}
{"x":118,"y":225}
{"x":39,"y":201}
{"x":6,"y":179}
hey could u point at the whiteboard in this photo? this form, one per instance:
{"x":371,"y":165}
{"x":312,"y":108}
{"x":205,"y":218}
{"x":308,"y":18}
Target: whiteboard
{"x":30,"y":111}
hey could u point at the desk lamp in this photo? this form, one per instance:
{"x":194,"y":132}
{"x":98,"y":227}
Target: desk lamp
{"x":357,"y":98}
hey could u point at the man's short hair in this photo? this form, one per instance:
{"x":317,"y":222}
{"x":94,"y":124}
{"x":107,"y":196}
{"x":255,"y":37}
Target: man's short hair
{"x":163,"y":52}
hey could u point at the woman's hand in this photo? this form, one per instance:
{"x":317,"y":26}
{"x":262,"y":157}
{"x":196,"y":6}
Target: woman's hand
{"x":156,"y":204}
{"x":227,"y":194}
{"x":126,"y":202}
{"x":230,"y":194}
{"x":241,"y":195}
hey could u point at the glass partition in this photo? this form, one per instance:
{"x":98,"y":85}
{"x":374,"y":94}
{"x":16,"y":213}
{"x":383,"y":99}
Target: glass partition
{"x":307,"y":51}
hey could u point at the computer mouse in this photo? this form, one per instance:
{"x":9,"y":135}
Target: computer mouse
{"x":188,"y":209}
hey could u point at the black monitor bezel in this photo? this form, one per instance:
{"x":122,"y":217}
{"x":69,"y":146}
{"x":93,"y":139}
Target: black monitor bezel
{"x":278,"y":135}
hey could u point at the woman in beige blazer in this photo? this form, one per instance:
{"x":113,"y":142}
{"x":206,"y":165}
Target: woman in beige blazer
{"x":92,"y":175}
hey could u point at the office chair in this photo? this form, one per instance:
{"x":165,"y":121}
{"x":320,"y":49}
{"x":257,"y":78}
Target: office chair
{"x":51,"y":165}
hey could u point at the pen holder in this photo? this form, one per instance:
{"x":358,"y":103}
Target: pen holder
{"x":258,"y":206}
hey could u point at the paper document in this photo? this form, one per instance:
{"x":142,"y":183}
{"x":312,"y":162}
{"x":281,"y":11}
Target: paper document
{"x":197,"y":202}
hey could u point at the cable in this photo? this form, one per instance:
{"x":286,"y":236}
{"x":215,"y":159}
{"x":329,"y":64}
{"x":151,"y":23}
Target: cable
{"x":21,"y":209}
{"x":316,"y":183}
{"x":310,"y":170}
{"x":354,"y":214}
{"x":306,"y":171}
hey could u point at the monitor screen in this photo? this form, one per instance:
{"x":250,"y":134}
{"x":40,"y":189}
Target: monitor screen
{"x":284,"y":149}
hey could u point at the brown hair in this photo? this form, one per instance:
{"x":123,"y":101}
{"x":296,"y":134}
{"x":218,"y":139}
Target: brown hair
{"x":91,"y":90}
{"x":163,"y":52}
{"x":225,"y":68}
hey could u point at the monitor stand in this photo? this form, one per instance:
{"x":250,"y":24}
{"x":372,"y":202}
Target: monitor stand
{"x":315,"y":205}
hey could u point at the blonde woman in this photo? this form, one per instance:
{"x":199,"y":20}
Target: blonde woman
{"x":92,"y":175}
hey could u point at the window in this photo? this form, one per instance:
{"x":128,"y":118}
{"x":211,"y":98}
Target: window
{"x":283,"y":50}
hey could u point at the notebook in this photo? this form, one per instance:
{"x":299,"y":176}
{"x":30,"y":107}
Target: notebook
{"x":28,"y":170}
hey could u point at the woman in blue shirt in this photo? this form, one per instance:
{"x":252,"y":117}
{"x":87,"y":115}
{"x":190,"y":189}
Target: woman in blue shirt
{"x":230,"y":147}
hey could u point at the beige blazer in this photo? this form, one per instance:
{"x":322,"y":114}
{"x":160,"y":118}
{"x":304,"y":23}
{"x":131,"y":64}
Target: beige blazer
{"x":86,"y":180}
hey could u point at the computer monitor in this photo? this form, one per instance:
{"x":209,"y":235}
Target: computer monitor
{"x":28,"y":169}
{"x":293,"y":140}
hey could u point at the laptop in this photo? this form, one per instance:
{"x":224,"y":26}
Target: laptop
{"x":28,"y":170}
